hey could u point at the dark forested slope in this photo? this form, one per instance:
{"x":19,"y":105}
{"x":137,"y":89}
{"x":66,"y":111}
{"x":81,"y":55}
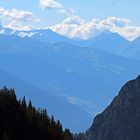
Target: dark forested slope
{"x":22,"y":121}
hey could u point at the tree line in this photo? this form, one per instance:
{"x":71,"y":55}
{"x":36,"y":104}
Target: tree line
{"x":20,"y":120}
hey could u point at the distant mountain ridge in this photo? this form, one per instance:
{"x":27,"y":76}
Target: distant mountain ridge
{"x":46,"y":36}
{"x":106,"y":41}
{"x":110,"y":42}
{"x":133,"y":50}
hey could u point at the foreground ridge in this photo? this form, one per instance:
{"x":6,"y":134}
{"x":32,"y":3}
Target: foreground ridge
{"x":121,"y":119}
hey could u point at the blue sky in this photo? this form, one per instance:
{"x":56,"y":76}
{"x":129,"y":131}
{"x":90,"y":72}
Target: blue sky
{"x":86,"y":9}
{"x":56,"y":12}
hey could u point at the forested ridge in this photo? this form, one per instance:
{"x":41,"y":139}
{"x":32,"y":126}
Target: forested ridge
{"x":20,"y":120}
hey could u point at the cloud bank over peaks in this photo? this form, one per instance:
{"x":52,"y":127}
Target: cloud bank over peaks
{"x":75,"y":27}
{"x":72,"y":26}
{"x":17,"y":19}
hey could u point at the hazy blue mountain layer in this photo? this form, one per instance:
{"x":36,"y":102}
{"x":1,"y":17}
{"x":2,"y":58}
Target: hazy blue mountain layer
{"x":76,"y":71}
{"x":66,"y":112}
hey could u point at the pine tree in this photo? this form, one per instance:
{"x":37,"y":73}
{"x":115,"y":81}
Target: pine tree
{"x":19,"y":121}
{"x":24,"y":104}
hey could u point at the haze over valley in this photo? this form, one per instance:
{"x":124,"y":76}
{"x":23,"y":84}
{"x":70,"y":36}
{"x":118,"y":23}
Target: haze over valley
{"x":72,"y":60}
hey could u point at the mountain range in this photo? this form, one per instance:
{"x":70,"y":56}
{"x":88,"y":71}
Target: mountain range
{"x":79,"y":73}
{"x":106,"y":41}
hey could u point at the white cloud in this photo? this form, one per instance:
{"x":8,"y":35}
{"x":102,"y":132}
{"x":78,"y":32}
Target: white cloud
{"x":2,"y":31}
{"x":17,"y":19}
{"x":113,"y":21}
{"x":75,"y":27}
{"x":129,"y":32}
{"x":18,"y":25}
{"x":54,"y":4}
{"x":50,"y":4}
{"x":25,"y":34}
{"x":74,"y":20}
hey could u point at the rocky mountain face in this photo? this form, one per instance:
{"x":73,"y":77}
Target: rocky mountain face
{"x":120,"y":120}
